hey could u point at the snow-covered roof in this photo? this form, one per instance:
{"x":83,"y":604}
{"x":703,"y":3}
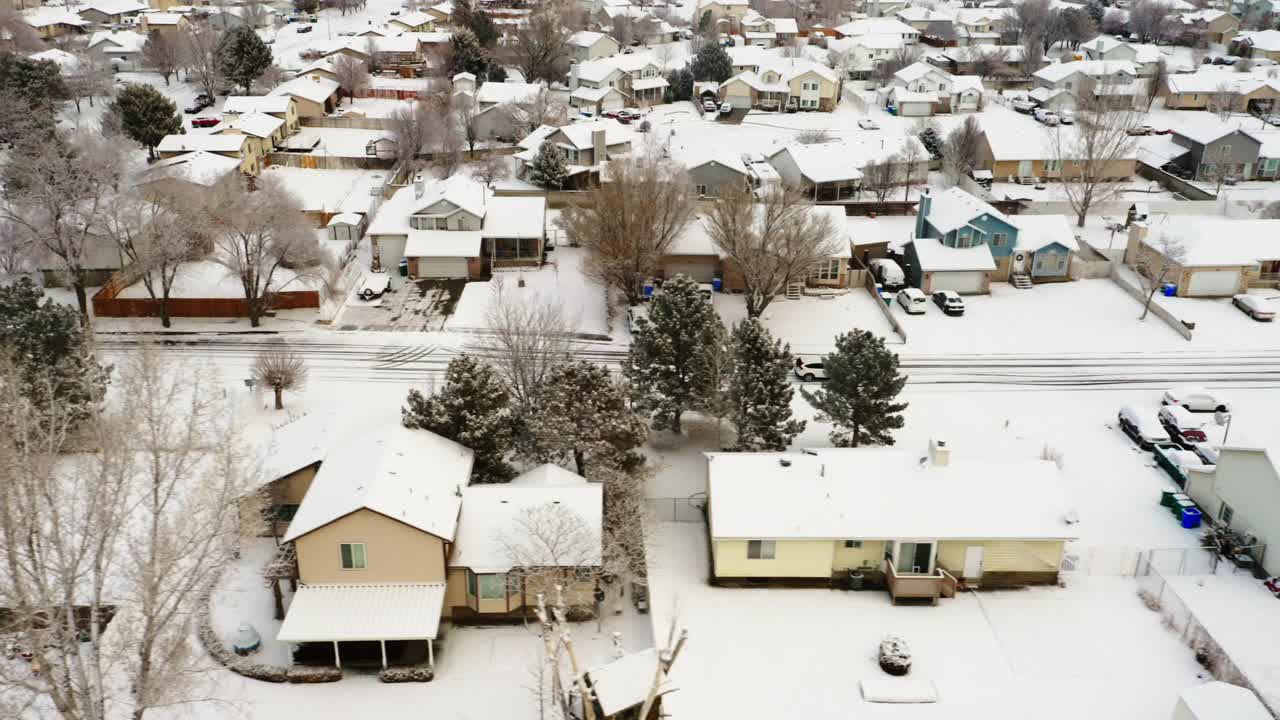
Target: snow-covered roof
{"x":876,"y":26}
{"x":587,"y":38}
{"x":1205,"y":16}
{"x":593,"y":95}
{"x":1156,"y":150}
{"x":413,"y":18}
{"x":47,"y":15}
{"x":580,"y":134}
{"x":920,"y":13}
{"x":257,"y":124}
{"x":61,"y":58}
{"x":1016,"y":137}
{"x":297,"y":444}
{"x":1268,"y":40}
{"x":1223,"y":701}
{"x":883,"y":493}
{"x":1213,"y":240}
{"x":968,"y":53}
{"x":822,"y":162}
{"x":917,"y":70}
{"x":696,"y":238}
{"x":702,"y":154}
{"x":1204,"y":128}
{"x":597,"y":71}
{"x":954,"y":208}
{"x":445,"y":8}
{"x":625,"y":682}
{"x":936,"y":257}
{"x":343,"y":613}
{"x":903,"y":95}
{"x":443,"y":243}
{"x":257,"y":103}
{"x":515,"y":217}
{"x":1039,"y":231}
{"x":198,"y":167}
{"x":459,"y":190}
{"x":126,"y":40}
{"x":1057,"y":72}
{"x":113,"y":7}
{"x":209,"y":143}
{"x":649,"y":83}
{"x":345,"y":218}
{"x":489,"y":513}
{"x":308,"y":87}
{"x":503,"y":92}
{"x":1207,"y":81}
{"x":412,"y":476}
{"x":162,"y":18}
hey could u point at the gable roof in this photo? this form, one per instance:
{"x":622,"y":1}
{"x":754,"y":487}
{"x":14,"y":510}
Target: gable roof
{"x":257,"y":104}
{"x":113,"y":7}
{"x":1057,"y":72}
{"x":954,"y":208}
{"x":217,"y":143}
{"x":413,"y":18}
{"x":626,"y":681}
{"x":587,"y":38}
{"x":936,"y":257}
{"x":412,"y":476}
{"x":876,"y":26}
{"x":458,"y":190}
{"x":1040,"y":231}
{"x":308,"y":87}
{"x":1268,"y":40}
{"x":502,"y":92}
{"x":47,"y":15}
{"x":197,"y":167}
{"x":126,"y":40}
{"x":257,"y":124}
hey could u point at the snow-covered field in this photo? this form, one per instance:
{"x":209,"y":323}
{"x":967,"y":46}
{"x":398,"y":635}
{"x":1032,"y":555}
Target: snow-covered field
{"x":561,"y":281}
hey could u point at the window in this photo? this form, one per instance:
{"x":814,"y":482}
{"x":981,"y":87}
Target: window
{"x":1053,"y":166}
{"x":493,"y":587}
{"x":1225,"y":514}
{"x":962,"y":239}
{"x":914,"y":557}
{"x":853,"y":544}
{"x":471,"y":584}
{"x":700,"y":189}
{"x":1225,"y":150}
{"x":285,"y":512}
{"x":828,"y":269}
{"x":353,"y":557}
{"x":1271,"y":166}
{"x":999,"y":240}
{"x":760,"y":549}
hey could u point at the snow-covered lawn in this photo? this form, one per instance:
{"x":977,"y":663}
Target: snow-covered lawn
{"x":1091,"y":649}
{"x":811,"y":323}
{"x":562,"y":281}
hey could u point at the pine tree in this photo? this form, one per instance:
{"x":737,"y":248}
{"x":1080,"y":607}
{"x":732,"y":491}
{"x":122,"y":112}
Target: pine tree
{"x":1097,"y":11}
{"x":581,"y":415}
{"x":242,"y":56}
{"x":146,"y":116}
{"x":858,"y":398}
{"x":548,"y":168}
{"x":473,"y":410}
{"x":761,"y":390}
{"x":932,"y":142}
{"x":467,"y":55}
{"x":712,"y":63}
{"x":666,"y":365}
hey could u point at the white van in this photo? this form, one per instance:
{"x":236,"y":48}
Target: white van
{"x":913,"y":301}
{"x":887,"y":273}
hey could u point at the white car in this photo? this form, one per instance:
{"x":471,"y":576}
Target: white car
{"x":810,"y":370}
{"x":1195,"y":399}
{"x":1255,"y":307}
{"x":1143,"y":426}
{"x":709,"y":106}
{"x":634,"y":314}
{"x":374,"y":285}
{"x":913,"y":301}
{"x":868,"y":124}
{"x":1023,"y":105}
{"x":1067,"y":117}
{"x":726,"y":108}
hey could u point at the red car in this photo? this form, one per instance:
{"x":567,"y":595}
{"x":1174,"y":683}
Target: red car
{"x":204,"y":122}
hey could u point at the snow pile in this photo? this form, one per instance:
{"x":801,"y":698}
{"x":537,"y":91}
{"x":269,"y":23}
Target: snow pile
{"x":895,"y":656}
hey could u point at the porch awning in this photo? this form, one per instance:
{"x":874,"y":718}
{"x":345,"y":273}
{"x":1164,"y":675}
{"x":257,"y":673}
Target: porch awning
{"x":342,"y":613}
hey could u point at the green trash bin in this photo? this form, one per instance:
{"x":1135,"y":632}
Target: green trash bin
{"x":1166,"y":497}
{"x":856,"y":580}
{"x":1181,"y":504}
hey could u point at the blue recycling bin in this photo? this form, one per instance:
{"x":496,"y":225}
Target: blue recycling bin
{"x":648,"y":290}
{"x":1170,"y":289}
{"x":1190,"y":518}
{"x":717,"y":283}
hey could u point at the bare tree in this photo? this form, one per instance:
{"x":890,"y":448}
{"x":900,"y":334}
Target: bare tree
{"x":540,"y":46}
{"x":57,"y":190}
{"x":880,"y":176}
{"x":960,"y":149}
{"x":911,"y":155}
{"x":900,"y":58}
{"x":491,"y":169}
{"x":1154,"y":263}
{"x":527,"y":338}
{"x":89,"y":77}
{"x":19,"y":32}
{"x":411,"y":127}
{"x":631,"y":221}
{"x":1226,"y":100}
{"x":199,"y":43}
{"x":540,"y":109}
{"x":1150,"y":20}
{"x":352,"y":75}
{"x":771,"y":243}
{"x":257,"y":237}
{"x":1025,"y":20}
{"x":989,"y":60}
{"x":814,"y":136}
{"x":552,"y":547}
{"x":449,"y":136}
{"x":163,"y":53}
{"x":1090,"y":156}
{"x":1216,"y":167}
{"x":1032,"y":53}
{"x":280,"y":368}
{"x":1156,"y":83}
{"x":157,"y":236}
{"x":466,"y":115}
{"x":17,"y":251}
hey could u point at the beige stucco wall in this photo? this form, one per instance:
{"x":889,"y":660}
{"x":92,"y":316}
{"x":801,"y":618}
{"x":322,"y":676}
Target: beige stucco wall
{"x":792,"y":558}
{"x":395,"y":552}
{"x":1003,"y":555}
{"x":867,"y":556}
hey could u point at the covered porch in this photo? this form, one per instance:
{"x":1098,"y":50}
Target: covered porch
{"x":361,"y":618}
{"x":911,"y":572}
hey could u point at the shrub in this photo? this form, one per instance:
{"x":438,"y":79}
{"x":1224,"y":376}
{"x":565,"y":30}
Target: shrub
{"x":303,"y":674}
{"x":258,"y":671}
{"x":417,"y":673}
{"x":895,"y":656}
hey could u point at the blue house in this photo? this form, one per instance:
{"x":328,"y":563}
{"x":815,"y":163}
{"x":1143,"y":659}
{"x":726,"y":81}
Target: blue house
{"x":963,"y":243}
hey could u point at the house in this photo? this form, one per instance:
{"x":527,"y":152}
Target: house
{"x":585,"y":46}
{"x":713,"y":170}
{"x":1221,"y":256}
{"x":1218,"y":149}
{"x":885,"y":26}
{"x":728,"y":13}
{"x":1215,"y":26}
{"x":284,"y":107}
{"x":1239,"y":493}
{"x":235,"y":16}
{"x":187,"y":174}
{"x":414,"y":21}
{"x":764,"y":32}
{"x":920,"y":89}
{"x":1209,"y":90}
{"x":267,"y":131}
{"x":1111,"y":82}
{"x":315,"y":95}
{"x":833,"y":171}
{"x":858,"y":57}
{"x":390,"y":539}
{"x":978,"y":26}
{"x":495,"y":93}
{"x":110,"y":12}
{"x":1253,"y":10}
{"x":586,"y":147}
{"x":637,"y":79}
{"x":1217,"y":700}
{"x":238,"y":146}
{"x":814,"y":517}
{"x":929,"y":21}
{"x":967,"y":59}
{"x":1263,"y":44}
{"x":441,"y":14}
{"x":51,"y":22}
{"x":784,"y":83}
{"x":169,"y":23}
{"x":122,"y":49}
{"x":379,"y":51}
{"x":1146,"y":59}
{"x":1033,"y":151}
{"x":458,"y":228}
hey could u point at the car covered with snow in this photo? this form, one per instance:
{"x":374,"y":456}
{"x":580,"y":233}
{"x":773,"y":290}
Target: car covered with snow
{"x":1258,"y":308}
{"x":1182,"y":424}
{"x":949,"y":301}
{"x":1142,"y":425}
{"x":888,"y":273}
{"x":913,"y":301}
{"x":374,"y":285}
{"x":710,"y":107}
{"x":1195,"y":399}
{"x":868,"y":124}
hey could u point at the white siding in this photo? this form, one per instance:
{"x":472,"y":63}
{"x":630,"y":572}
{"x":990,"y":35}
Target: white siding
{"x":1213,"y":283}
{"x":1247,"y":481}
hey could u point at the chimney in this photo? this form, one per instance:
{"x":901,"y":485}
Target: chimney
{"x":598,"y":146}
{"x":573,"y":76}
{"x":939,"y":453}
{"x":419,"y":185}
{"x":1137,"y":233}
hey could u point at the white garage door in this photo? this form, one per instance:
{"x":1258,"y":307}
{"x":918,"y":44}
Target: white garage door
{"x":612,"y":102}
{"x":1214,"y":283}
{"x":442,"y":267}
{"x":961,"y":282}
{"x":738,"y":100}
{"x":702,"y":272}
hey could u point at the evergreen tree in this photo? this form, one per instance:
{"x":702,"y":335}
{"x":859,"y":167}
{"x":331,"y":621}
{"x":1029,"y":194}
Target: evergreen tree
{"x":242,"y":56}
{"x":704,"y":22}
{"x":760,"y":389}
{"x":548,"y":168}
{"x":680,"y":85}
{"x":711,"y":63}
{"x":477,"y":21}
{"x":581,"y":415}
{"x":1097,"y":11}
{"x":669,"y":353}
{"x":466,"y":55}
{"x":473,"y":410}
{"x":37,"y":83}
{"x":146,"y":116}
{"x":50,"y":348}
{"x":858,"y":397}
{"x":932,"y":142}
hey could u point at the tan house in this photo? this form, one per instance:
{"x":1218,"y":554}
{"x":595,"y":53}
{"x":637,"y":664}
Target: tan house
{"x":730,"y":12}
{"x":585,"y":46}
{"x":586,"y":147}
{"x":1035,"y":153}
{"x":441,"y":14}
{"x":792,"y":83}
{"x":51,"y":22}
{"x":110,"y":12}
{"x":1197,"y":91}
{"x":244,"y":148}
{"x":266,"y":132}
{"x":817,"y":517}
{"x":314,"y":94}
{"x":163,"y":22}
{"x":1221,"y":257}
{"x":283,"y":107}
{"x":1214,"y":25}
{"x":390,"y":539}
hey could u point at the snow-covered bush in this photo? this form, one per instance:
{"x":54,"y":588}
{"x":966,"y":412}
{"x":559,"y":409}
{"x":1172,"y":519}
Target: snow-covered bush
{"x":304,"y":674}
{"x":419,"y":673}
{"x":895,"y":656}
{"x":219,"y":651}
{"x":258,"y":671}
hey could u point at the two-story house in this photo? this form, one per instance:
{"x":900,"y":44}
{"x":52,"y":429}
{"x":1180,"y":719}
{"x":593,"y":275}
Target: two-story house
{"x":765,"y":32}
{"x":858,"y":57}
{"x":963,"y":243}
{"x":457,"y":228}
{"x":723,"y":15}
{"x":794,"y":83}
{"x":921,"y":89}
{"x":314,"y":94}
{"x":267,"y":131}
{"x":1146,"y":59}
{"x":1218,"y":150}
{"x":1113,"y":83}
{"x":1261,"y":44}
{"x":585,"y":46}
{"x":283,"y":107}
{"x":978,"y":26}
{"x":245,"y":149}
{"x":586,"y":146}
{"x":615,"y":82}
{"x":927,"y":20}
{"x":122,"y":49}
{"x":1215,"y":26}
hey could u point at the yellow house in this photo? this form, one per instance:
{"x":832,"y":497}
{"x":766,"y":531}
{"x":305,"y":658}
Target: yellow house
{"x":414,"y":21}
{"x":233,"y":145}
{"x":266,"y":131}
{"x":279,"y":106}
{"x":389,"y":539}
{"x":54,"y":22}
{"x":730,"y":11}
{"x":314,"y":95}
{"x":915,"y":523}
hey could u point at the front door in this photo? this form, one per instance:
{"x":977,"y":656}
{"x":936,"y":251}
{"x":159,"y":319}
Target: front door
{"x":1024,"y":168}
{"x":1018,"y":265}
{"x":973,"y":562}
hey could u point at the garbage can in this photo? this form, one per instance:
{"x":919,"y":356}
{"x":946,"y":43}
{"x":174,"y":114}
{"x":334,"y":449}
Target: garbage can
{"x":1167,"y":497}
{"x":1179,"y":505}
{"x":1170,"y":289}
{"x":855,"y":580}
{"x":717,"y":283}
{"x":1190,"y":518}
{"x":404,"y":267}
{"x":648,"y":290}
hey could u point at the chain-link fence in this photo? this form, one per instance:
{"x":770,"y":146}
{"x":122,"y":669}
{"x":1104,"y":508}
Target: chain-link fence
{"x":682,"y":510}
{"x":1160,"y":596}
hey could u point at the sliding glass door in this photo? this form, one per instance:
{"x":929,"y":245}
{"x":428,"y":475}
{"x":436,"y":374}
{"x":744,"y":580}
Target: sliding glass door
{"x":914,"y":557}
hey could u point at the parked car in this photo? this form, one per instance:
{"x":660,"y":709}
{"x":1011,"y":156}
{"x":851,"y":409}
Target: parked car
{"x":305,"y":28}
{"x":1195,"y":399}
{"x":810,"y":370}
{"x":1067,"y":117}
{"x":1273,"y":120}
{"x":206,"y":121}
{"x":1255,"y":307}
{"x":1041,"y":113}
{"x":888,"y":273}
{"x":1181,"y":424}
{"x":726,"y":108}
{"x":201,"y":102}
{"x":949,"y":302}
{"x":709,"y":106}
{"x":1143,"y":426}
{"x":868,"y":124}
{"x":1023,"y":105}
{"x":628,"y":113}
{"x":913,"y":301}
{"x":374,"y":285}
{"x":1141,"y":130}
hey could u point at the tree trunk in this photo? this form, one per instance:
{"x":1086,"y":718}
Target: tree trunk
{"x":82,"y":299}
{"x":279,"y":391}
{"x":164,"y":312}
{"x":1080,"y":217}
{"x":580,"y":462}
{"x":675,"y":422}
{"x":278,"y":597}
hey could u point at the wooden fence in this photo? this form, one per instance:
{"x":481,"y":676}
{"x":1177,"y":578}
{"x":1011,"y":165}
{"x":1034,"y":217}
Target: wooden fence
{"x":107,"y":304}
{"x":356,"y":123}
{"x":329,"y":162}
